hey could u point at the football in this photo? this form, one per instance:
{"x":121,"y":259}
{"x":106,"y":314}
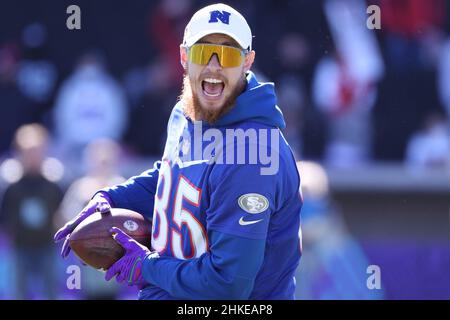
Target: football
{"x":92,"y":242}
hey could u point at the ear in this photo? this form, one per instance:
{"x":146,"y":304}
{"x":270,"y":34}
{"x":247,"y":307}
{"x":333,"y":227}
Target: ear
{"x":183,"y":56}
{"x":249,"y":59}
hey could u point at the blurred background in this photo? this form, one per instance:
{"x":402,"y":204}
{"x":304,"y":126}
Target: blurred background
{"x":367,"y":114}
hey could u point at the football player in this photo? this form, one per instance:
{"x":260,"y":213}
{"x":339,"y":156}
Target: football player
{"x":224,"y":199}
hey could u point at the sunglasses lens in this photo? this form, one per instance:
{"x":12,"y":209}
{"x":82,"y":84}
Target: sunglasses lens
{"x":228,"y":56}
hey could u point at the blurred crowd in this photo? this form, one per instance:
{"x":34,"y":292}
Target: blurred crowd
{"x":351,"y":95}
{"x":75,"y":105}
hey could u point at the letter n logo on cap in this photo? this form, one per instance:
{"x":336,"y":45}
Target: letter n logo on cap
{"x":222,"y":16}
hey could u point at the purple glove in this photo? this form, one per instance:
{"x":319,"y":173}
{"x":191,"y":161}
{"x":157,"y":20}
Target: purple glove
{"x":99,"y":203}
{"x":128,"y":268}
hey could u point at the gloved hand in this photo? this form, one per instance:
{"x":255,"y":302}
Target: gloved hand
{"x":129,"y":267}
{"x":99,"y":203}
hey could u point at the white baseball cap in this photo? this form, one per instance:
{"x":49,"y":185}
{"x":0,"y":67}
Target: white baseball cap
{"x":218,"y":18}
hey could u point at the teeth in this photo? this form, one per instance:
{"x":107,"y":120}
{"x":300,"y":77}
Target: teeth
{"x":212,"y":95}
{"x":212,"y":80}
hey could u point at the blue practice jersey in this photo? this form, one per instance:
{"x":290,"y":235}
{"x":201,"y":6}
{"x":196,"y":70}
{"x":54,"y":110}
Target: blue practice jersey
{"x":224,"y":203}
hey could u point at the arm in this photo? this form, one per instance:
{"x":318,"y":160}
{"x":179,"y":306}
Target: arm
{"x":135,"y":194}
{"x":227,"y":271}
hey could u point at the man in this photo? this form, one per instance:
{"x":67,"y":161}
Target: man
{"x":224,"y":225}
{"x":28,"y":211}
{"x":88,"y":97}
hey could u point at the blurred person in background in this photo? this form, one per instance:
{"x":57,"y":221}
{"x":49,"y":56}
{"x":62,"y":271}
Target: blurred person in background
{"x":346,"y":102}
{"x":344,"y":84}
{"x":334,"y":264}
{"x":28,"y":211}
{"x":90,"y":105}
{"x":100,"y":159}
{"x":430,"y":147}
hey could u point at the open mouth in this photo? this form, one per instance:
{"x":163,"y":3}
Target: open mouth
{"x":212,"y":87}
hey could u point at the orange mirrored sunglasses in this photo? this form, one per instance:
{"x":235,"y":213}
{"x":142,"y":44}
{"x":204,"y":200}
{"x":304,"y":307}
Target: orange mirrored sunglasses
{"x":228,"y":57}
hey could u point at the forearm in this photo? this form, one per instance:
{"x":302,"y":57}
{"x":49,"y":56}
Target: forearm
{"x":227,"y":272}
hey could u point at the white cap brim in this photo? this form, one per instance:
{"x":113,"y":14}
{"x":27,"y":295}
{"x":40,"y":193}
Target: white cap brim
{"x":192,"y":40}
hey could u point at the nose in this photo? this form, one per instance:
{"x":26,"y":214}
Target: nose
{"x":214,"y":63}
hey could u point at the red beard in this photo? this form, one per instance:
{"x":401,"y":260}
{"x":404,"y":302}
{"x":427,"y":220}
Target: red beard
{"x":193,"y":108}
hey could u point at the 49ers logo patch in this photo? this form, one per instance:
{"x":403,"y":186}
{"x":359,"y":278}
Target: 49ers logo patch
{"x":253,"y":203}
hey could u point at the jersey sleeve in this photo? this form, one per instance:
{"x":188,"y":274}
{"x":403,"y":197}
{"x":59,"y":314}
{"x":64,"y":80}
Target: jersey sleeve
{"x":137,"y":193}
{"x":227,"y":271}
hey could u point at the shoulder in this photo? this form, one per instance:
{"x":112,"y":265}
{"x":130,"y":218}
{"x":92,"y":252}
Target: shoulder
{"x":267,"y":142}
{"x":258,"y":152}
{"x":257,"y":149}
